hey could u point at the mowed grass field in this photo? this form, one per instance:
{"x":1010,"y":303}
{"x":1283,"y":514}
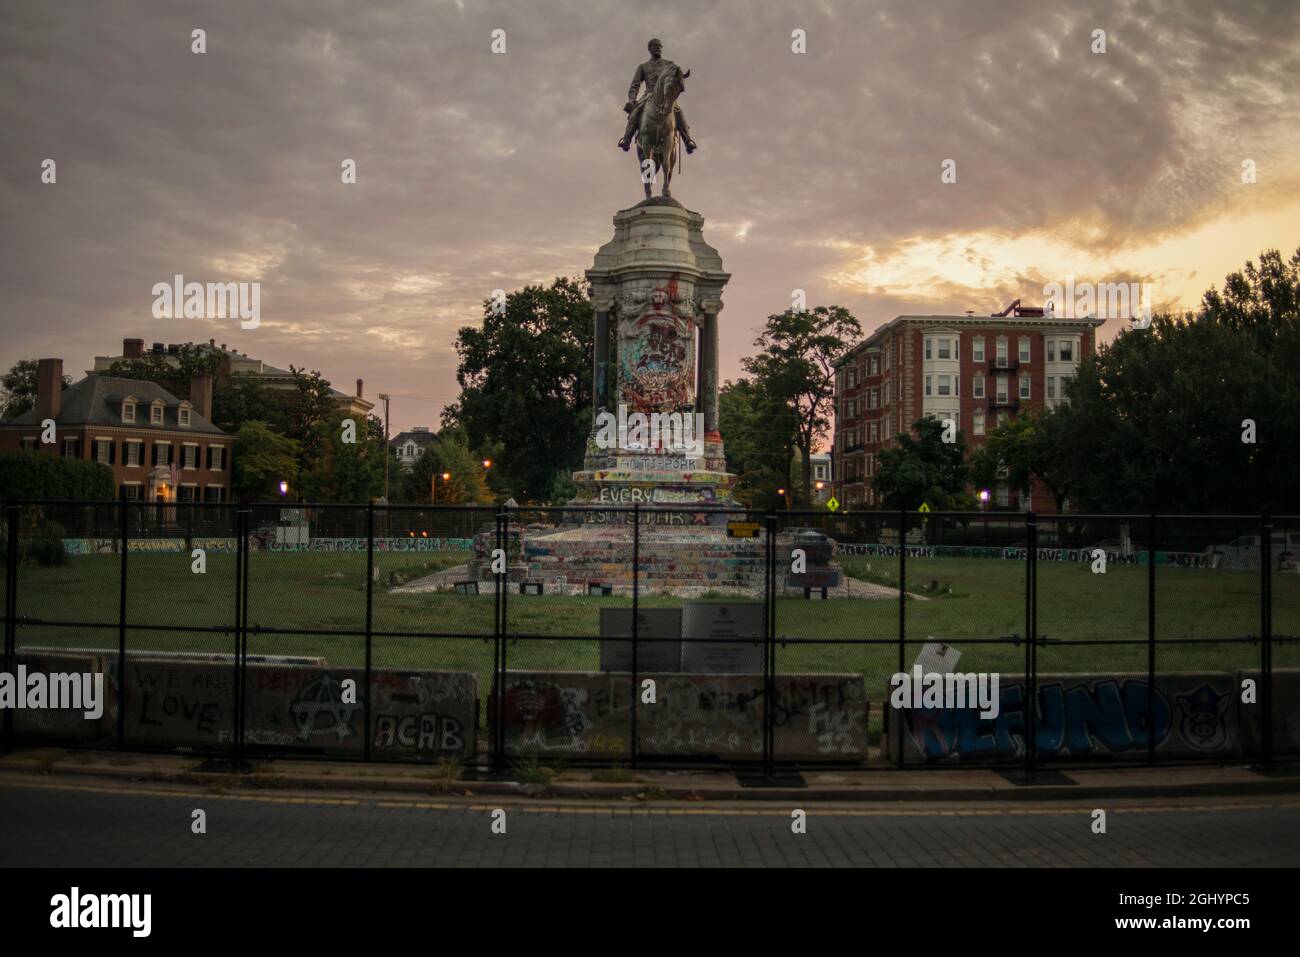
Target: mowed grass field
{"x":957,"y":600}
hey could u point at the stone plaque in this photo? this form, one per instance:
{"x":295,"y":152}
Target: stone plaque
{"x":651,"y":655}
{"x":702,"y":620}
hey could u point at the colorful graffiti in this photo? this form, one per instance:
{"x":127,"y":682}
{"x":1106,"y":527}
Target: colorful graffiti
{"x":1084,"y":716}
{"x":590,"y":713}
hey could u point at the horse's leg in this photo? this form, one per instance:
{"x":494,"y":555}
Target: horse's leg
{"x":640,"y":168}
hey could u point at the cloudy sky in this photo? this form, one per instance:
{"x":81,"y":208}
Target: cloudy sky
{"x":817,"y":171}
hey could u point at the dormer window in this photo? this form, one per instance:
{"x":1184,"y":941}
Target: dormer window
{"x":183,"y":415}
{"x":156,"y":413}
{"x":128,"y":410}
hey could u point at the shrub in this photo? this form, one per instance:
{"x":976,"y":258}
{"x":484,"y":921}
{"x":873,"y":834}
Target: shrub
{"x":46,"y":545}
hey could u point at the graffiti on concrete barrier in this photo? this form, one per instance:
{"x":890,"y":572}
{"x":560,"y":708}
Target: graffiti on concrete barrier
{"x":429,"y":732}
{"x":1085,"y":716}
{"x":590,"y":713}
{"x":318,"y":708}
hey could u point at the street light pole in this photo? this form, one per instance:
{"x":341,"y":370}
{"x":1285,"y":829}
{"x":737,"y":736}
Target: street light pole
{"x":383,"y":397}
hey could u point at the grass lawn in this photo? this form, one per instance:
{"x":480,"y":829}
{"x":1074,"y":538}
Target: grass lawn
{"x":965,"y":598}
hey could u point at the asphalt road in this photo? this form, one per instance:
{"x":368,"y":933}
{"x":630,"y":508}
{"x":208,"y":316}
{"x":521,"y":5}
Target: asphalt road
{"x":71,"y":823}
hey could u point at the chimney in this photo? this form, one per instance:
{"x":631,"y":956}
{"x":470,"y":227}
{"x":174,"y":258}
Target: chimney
{"x":359,"y":383}
{"x":132,"y":348}
{"x":201,"y":395}
{"x":49,"y":388}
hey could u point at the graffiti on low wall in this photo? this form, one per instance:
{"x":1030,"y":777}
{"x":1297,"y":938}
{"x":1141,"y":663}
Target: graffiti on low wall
{"x":190,"y":703}
{"x":1081,"y":716}
{"x":589,"y":713}
{"x":1016,"y":554}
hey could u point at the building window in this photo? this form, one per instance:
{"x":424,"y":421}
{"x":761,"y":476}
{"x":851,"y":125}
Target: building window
{"x":1024,"y":348}
{"x":1051,"y":387}
{"x":875,"y":365}
{"x":886,"y":393}
{"x":927,"y":385}
{"x":128,"y":410}
{"x":183,"y":416}
{"x":156,"y":414}
{"x":1067,"y":350}
{"x":29,"y":444}
{"x":945,"y":385}
{"x":874,"y":398}
{"x":213,"y":493}
{"x":71,"y":448}
{"x":162,"y":453}
{"x":978,"y":422}
{"x":888,"y":356}
{"x":215,"y":454}
{"x":187,"y":493}
{"x":1002,"y":389}
{"x":977,"y":349}
{"x":189,"y":456}
{"x":1002,"y":350}
{"x":131,"y":490}
{"x":1051,"y":350}
{"x":945,"y":351}
{"x":131,"y":453}
{"x":874,"y":432}
{"x":977,"y":387}
{"x":853,"y":407}
{"x":1024,"y":387}
{"x":104,"y":451}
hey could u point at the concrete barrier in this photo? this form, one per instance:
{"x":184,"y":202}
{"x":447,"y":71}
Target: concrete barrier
{"x":821,"y":716}
{"x":1081,"y":716}
{"x":175,"y":702}
{"x":1285,"y":708}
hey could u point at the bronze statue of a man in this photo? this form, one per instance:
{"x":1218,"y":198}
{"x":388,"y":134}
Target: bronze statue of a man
{"x":648,"y":73}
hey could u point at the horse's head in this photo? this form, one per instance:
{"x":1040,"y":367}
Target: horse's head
{"x":671,"y":83}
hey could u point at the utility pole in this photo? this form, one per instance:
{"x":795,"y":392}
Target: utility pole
{"x":383,"y":397}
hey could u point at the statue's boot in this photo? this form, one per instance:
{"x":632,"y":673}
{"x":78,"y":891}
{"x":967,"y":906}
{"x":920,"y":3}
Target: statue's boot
{"x":685,"y":131}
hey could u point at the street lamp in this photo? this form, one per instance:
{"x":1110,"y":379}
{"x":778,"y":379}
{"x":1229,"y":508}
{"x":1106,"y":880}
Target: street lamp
{"x":284,"y":487}
{"x":433,"y":485}
{"x":487,"y":463}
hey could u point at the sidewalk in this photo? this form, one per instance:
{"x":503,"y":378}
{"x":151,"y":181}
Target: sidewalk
{"x":707,"y":785}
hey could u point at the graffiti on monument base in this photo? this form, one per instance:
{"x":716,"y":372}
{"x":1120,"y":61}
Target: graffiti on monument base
{"x":1085,"y":716}
{"x":694,"y":714}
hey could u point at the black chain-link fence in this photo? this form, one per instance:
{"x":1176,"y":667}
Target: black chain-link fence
{"x":531,"y":639}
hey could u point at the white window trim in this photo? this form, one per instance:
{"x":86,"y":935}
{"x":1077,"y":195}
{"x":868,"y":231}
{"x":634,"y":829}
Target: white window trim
{"x":158,"y":407}
{"x":1023,"y":349}
{"x":977,"y":349}
{"x":1025,"y":387}
{"x":977,"y":387}
{"x":128,"y":405}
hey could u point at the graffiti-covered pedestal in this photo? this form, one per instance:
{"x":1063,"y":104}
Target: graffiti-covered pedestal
{"x":655,"y":439}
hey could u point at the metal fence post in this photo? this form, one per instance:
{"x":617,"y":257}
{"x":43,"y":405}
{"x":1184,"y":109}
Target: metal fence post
{"x":370,"y":600}
{"x":11,"y":610}
{"x":1151,"y":639}
{"x":125,"y":534}
{"x":1266,"y":640}
{"x":239,"y":618}
{"x":1031,"y":659}
{"x":902,"y":619}
{"x":769,"y":652}
{"x":636,"y":630}
{"x":499,"y":586}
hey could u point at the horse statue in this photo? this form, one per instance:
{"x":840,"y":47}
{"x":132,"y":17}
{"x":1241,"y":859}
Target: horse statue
{"x":656,"y":139}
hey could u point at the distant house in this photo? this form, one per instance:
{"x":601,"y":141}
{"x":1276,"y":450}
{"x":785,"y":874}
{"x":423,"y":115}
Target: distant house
{"x":408,"y":446}
{"x":822,"y":479}
{"x":234,"y":362}
{"x":160,"y":448}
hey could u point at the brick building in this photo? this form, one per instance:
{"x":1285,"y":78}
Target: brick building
{"x":160,"y":448}
{"x":234,"y":362}
{"x":975,"y":369}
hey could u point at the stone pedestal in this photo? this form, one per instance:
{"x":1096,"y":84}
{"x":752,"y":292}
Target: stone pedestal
{"x":660,"y":285}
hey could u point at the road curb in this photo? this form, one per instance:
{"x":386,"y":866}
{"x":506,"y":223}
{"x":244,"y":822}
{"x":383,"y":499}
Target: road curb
{"x":261,"y":779}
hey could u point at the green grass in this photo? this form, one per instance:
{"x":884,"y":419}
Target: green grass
{"x":975,"y":598}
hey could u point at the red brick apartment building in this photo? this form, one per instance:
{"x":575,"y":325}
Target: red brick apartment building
{"x":160,"y":448}
{"x":975,"y":369}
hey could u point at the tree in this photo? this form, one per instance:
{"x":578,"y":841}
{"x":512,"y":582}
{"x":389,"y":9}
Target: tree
{"x":1032,"y":446}
{"x":346,"y":471}
{"x":760,"y":442}
{"x":451,"y":455}
{"x":262,"y":460}
{"x":924,"y":469}
{"x":525,"y":378}
{"x":172,"y":371}
{"x":18,"y":388}
{"x":796,"y":364}
{"x":40,"y":475}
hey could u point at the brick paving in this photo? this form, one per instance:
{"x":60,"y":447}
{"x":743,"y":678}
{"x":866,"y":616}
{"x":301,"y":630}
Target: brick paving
{"x":75,"y":826}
